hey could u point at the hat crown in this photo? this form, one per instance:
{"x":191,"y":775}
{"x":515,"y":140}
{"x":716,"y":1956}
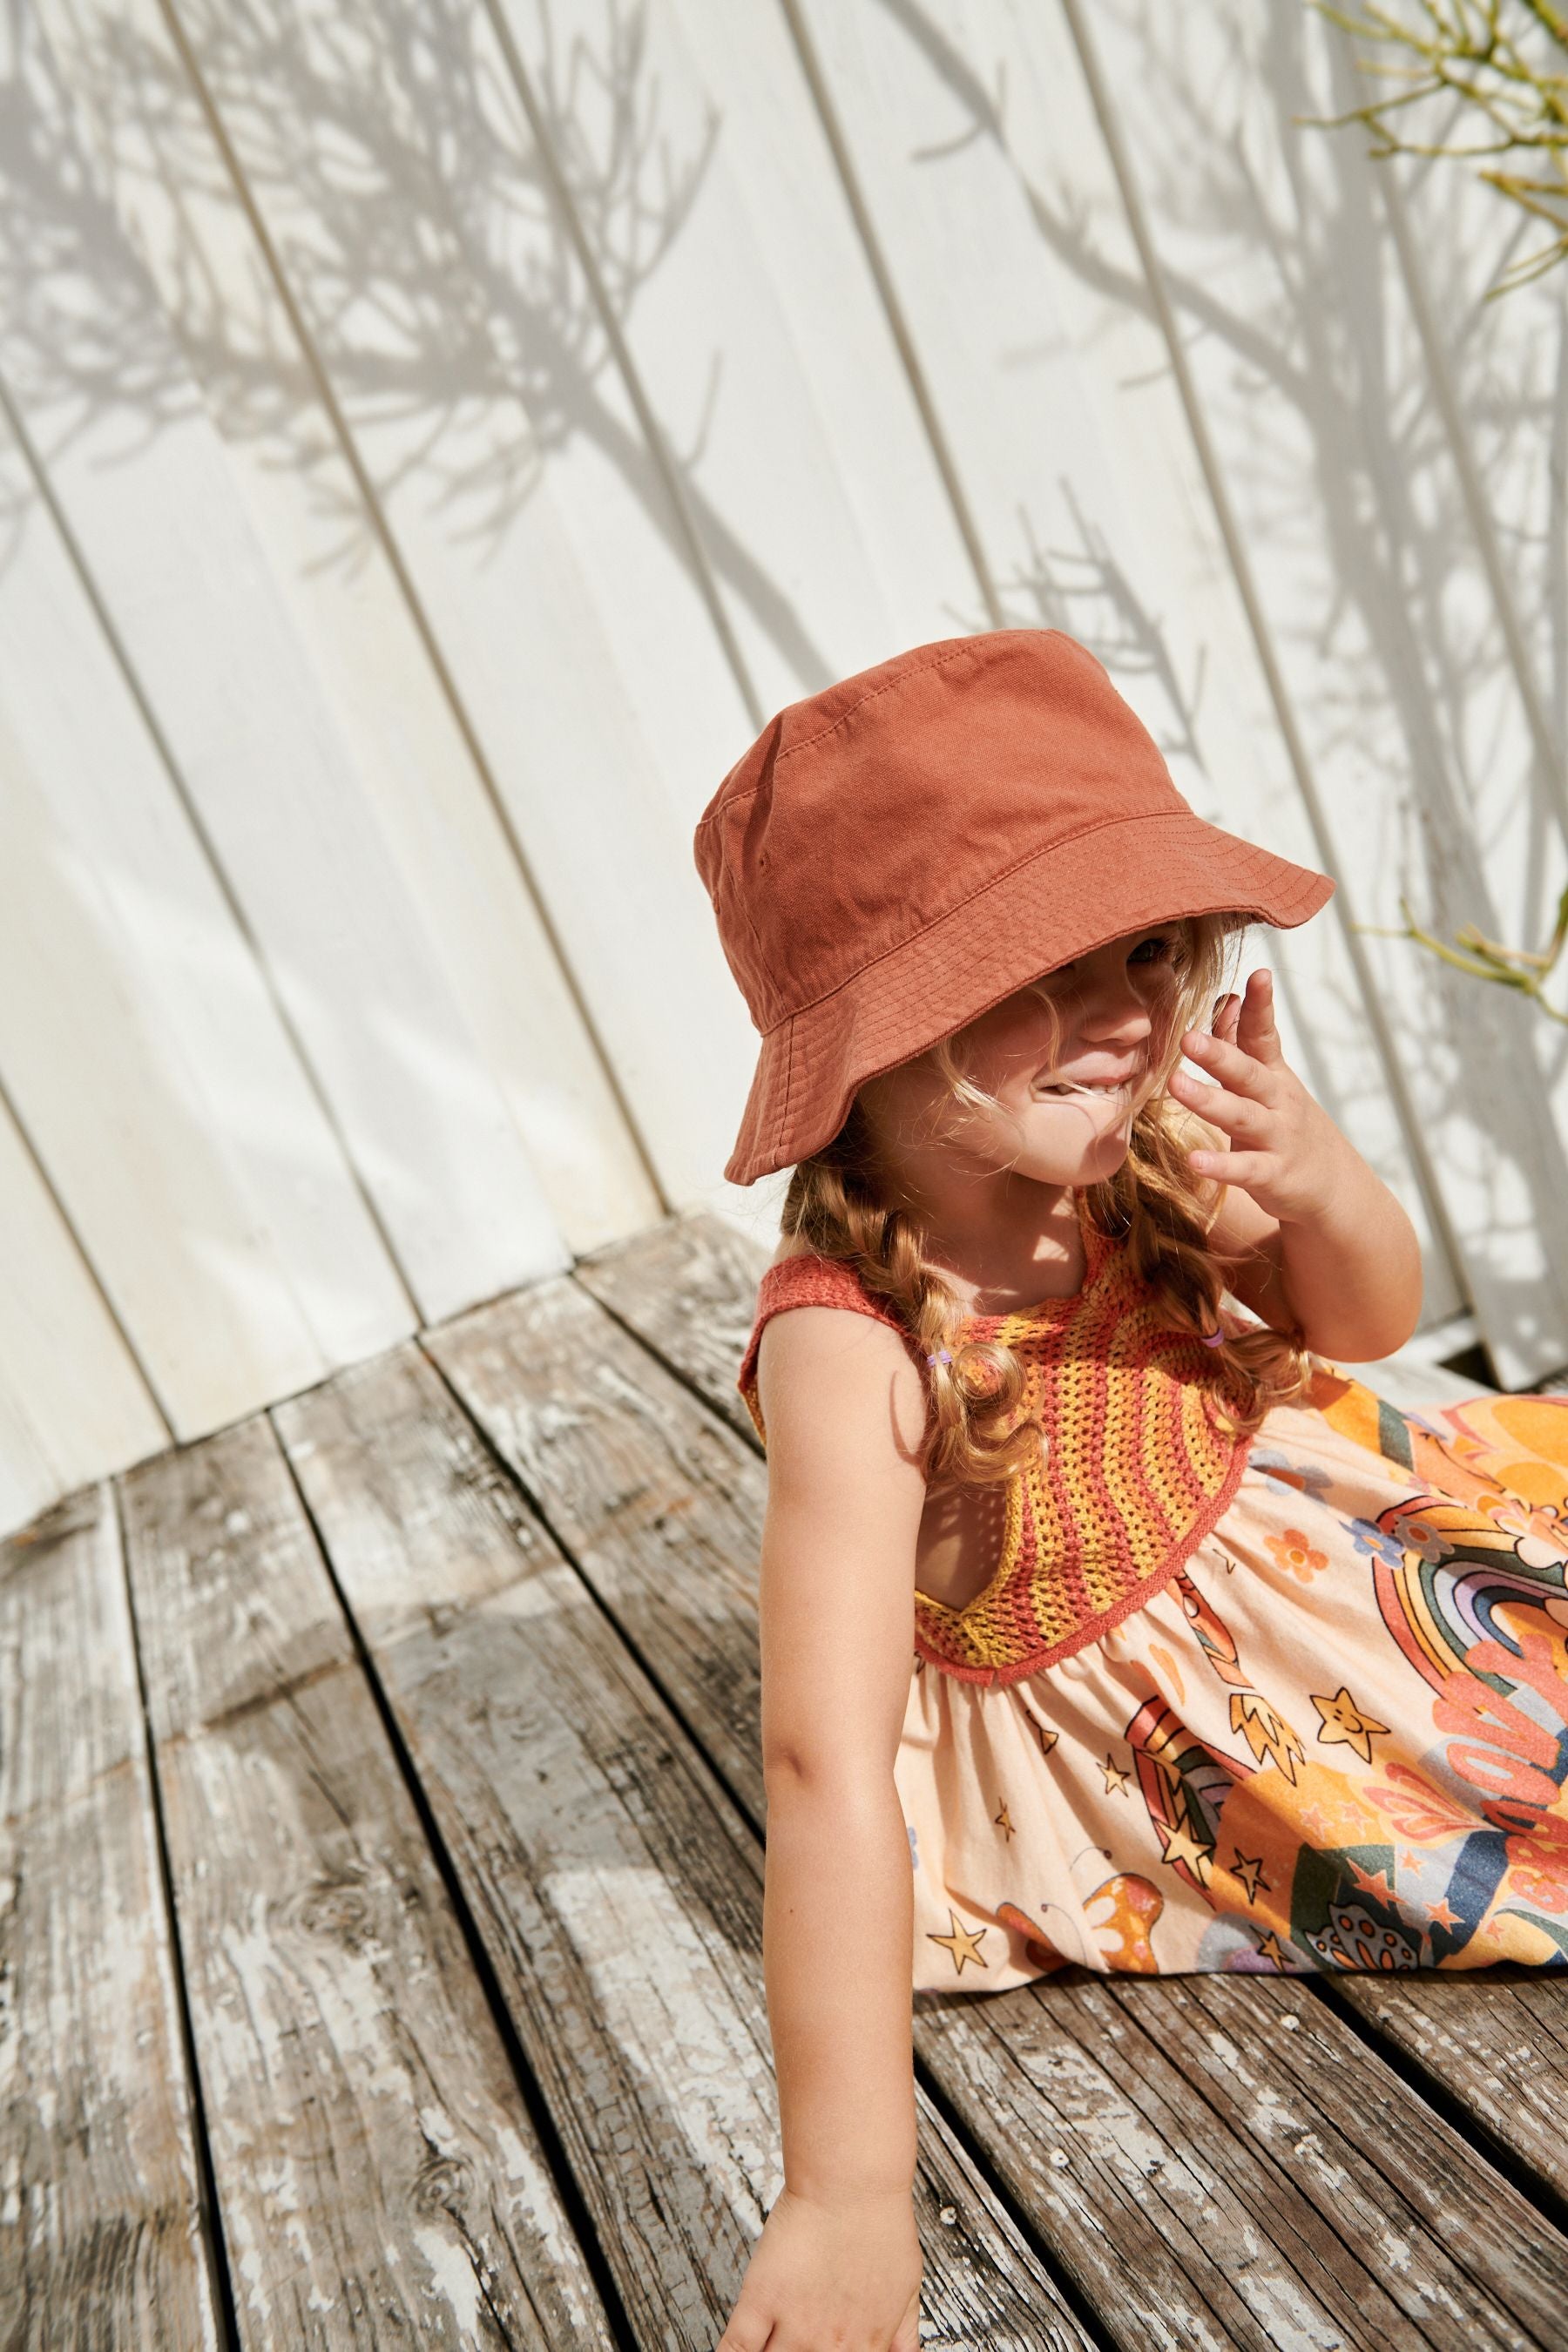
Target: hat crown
{"x":867,"y":813}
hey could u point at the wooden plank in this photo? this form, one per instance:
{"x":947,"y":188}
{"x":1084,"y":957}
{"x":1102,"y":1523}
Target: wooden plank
{"x":100,"y":2226}
{"x":659,"y":1505}
{"x":1217,"y":2176}
{"x":377,"y":2170}
{"x":224,"y":1223}
{"x":281,"y":809}
{"x":687,"y":1289}
{"x":1495,"y":2042}
{"x":237,"y":548}
{"x":1316,"y":392}
{"x":617,"y":1890}
{"x":73,"y":1402}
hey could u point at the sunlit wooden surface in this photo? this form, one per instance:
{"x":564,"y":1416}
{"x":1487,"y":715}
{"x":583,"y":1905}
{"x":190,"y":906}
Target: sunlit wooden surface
{"x":381,"y":1926}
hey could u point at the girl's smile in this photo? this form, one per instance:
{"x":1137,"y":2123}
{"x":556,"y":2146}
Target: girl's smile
{"x":1067,"y":1062}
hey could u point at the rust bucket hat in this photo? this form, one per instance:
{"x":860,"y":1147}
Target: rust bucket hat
{"x":897,"y":854}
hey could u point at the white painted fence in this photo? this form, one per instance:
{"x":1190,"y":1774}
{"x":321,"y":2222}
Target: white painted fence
{"x":436,"y":434}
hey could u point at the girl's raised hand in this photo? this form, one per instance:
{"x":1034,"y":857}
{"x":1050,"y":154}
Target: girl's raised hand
{"x":846,"y":2273}
{"x":1286,"y":1151}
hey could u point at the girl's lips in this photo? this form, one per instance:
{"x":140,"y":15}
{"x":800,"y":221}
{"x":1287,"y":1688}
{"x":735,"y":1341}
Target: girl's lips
{"x":1066,"y":1089}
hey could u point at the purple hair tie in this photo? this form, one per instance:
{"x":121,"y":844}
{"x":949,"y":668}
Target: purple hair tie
{"x":1212,"y":1339}
{"x":944,"y":1356}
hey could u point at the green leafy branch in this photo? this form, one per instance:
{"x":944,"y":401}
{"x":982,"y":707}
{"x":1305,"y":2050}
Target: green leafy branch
{"x":1506,"y":64}
{"x":1517,"y":967}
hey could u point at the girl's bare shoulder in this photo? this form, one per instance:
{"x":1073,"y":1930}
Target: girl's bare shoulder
{"x":836,"y":1386}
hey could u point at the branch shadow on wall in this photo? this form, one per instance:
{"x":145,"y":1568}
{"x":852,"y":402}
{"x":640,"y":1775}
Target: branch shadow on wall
{"x":1340,"y":461}
{"x":379,"y":160}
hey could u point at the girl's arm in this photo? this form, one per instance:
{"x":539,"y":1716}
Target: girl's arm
{"x":1316,"y":1240}
{"x":838,"y":2261}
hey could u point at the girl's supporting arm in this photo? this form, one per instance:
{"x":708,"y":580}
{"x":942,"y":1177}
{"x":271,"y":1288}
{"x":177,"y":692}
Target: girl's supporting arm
{"x":838,"y":2261}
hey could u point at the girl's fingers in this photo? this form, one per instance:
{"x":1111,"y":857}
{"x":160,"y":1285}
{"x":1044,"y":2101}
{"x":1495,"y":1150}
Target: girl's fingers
{"x":746,"y":2333}
{"x":1227,"y":1063}
{"x":1255,"y":1030}
{"x":1243,"y":1168}
{"x":1234,"y":1115}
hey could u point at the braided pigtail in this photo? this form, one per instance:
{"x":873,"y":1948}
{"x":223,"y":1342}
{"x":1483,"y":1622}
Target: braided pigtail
{"x":832,"y":1205}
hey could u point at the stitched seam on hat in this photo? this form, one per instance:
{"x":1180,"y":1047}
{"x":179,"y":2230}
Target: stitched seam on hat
{"x":965,"y":645}
{"x":782,"y":1130}
{"x":1101,"y":826}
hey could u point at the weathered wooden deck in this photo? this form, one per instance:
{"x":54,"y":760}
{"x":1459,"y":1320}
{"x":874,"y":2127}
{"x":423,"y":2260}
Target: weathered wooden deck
{"x":382,"y":1926}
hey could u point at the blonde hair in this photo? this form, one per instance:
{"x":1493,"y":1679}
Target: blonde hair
{"x":838,"y":1204}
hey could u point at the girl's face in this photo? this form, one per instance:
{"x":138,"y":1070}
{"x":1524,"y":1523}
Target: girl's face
{"x":1068,"y":1089}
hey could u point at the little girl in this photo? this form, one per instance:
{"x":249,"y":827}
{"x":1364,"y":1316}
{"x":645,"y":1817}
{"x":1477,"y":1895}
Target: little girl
{"x":1219,"y":1660}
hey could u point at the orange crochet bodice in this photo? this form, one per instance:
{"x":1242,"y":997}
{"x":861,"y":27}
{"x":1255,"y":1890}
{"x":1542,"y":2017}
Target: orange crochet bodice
{"x":1136,"y":1470}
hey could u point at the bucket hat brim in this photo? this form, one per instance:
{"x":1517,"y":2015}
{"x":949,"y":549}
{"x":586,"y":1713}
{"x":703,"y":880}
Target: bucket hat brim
{"x":1041,"y":914}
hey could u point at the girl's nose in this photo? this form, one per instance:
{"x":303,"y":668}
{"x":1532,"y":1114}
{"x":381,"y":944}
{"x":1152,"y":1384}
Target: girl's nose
{"x":1114,"y":1010}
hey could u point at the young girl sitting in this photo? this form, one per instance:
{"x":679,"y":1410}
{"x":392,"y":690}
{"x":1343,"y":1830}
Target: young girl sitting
{"x":1219,"y":1660}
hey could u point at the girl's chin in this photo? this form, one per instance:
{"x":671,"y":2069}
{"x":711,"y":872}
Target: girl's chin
{"x":1074,"y":1158}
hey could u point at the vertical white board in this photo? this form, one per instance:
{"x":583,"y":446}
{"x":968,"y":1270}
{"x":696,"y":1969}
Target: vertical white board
{"x":72,"y":1401}
{"x":449,"y":320}
{"x":991,"y":193}
{"x":386,"y":886}
{"x":758,"y":341}
{"x":138,"y":1041}
{"x":1319,"y":399}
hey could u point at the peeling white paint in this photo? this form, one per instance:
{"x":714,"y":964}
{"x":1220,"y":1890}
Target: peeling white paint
{"x":452,"y":2276}
{"x":675,"y":2018}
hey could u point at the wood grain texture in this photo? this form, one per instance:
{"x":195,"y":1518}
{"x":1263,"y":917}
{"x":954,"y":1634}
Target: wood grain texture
{"x":241,"y":1272}
{"x":659,"y":1504}
{"x":689,"y":1288}
{"x":529,"y":519}
{"x":618,"y":1889}
{"x":1220,"y":2179}
{"x":542,"y":1383}
{"x":100,"y":2232}
{"x":379,"y":2177}
{"x":1495,"y":2043}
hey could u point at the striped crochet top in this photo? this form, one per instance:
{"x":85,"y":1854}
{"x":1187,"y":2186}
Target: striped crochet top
{"x":1135,"y":1472}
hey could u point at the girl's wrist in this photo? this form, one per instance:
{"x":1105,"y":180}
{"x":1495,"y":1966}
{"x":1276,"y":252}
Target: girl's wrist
{"x":841,"y":2196}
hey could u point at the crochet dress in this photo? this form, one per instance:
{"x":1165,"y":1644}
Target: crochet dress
{"x":1290,"y":1702}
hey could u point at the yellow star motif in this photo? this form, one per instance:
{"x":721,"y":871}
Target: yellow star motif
{"x":1180,"y":1845}
{"x":1343,"y":1724}
{"x":1048,"y":1740}
{"x":1250,"y":1874}
{"x":1116,"y":1779}
{"x":1269,"y":1947}
{"x":961,"y":1944}
{"x":1004,"y":1821}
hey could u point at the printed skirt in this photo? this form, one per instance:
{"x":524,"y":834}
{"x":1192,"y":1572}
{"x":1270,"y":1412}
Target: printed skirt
{"x":1336,"y":1738}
